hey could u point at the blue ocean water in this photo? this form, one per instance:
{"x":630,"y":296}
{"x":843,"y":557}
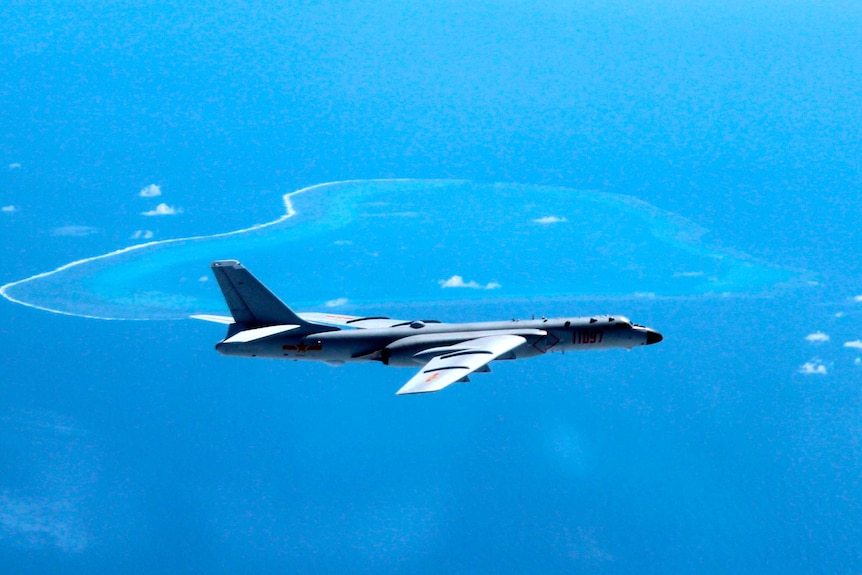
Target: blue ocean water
{"x":732,"y":446}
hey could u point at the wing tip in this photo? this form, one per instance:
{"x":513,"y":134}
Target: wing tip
{"x":226,"y":264}
{"x":415,"y":391}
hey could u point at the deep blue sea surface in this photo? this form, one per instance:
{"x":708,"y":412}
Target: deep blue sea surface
{"x":733,"y":446}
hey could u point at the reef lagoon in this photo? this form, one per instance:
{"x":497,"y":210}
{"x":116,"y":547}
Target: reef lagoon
{"x":366,"y":243}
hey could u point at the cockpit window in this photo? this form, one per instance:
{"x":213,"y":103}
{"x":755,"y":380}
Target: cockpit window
{"x":619,"y":322}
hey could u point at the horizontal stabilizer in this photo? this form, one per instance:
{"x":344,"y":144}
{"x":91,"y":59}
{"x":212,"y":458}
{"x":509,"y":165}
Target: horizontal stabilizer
{"x":253,"y":334}
{"x":213,"y":318}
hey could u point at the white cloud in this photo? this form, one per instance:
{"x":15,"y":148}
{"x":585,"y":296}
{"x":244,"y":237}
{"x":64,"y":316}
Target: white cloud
{"x":550,"y":220}
{"x":74,"y":231}
{"x":817,"y":337}
{"x":458,"y":282}
{"x":336,"y":302}
{"x":855,"y":344}
{"x":814,"y":367}
{"x":14,"y":166}
{"x":689,"y":274}
{"x":151,"y":191}
{"x":163,"y":210}
{"x":203,"y":279}
{"x":858,"y":298}
{"x":9,"y":209}
{"x":142,"y":235}
{"x":857,"y":361}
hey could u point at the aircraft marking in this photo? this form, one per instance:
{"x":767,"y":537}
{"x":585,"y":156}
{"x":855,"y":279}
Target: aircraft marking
{"x":588,"y":337}
{"x":302,"y":347}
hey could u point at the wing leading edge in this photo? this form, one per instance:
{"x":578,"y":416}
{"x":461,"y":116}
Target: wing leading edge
{"x":455,"y":362}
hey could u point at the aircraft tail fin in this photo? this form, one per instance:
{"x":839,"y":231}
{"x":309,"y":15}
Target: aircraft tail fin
{"x":251,"y":304}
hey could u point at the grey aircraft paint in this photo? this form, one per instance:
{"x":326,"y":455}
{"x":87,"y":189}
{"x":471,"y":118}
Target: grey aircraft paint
{"x":263,"y":326}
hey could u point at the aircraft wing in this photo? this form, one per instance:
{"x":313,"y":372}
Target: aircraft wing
{"x":453,"y":363}
{"x":355,"y":321}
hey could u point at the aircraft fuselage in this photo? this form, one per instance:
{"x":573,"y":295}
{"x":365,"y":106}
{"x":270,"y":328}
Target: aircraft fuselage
{"x":405,"y":346}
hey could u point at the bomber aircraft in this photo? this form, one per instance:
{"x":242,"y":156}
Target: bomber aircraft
{"x":263,"y":326}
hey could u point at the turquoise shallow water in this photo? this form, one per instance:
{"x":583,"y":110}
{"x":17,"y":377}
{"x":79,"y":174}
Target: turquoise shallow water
{"x":416,"y":241}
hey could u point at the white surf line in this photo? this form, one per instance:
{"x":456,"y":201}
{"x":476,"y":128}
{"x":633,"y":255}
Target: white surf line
{"x":289,"y":213}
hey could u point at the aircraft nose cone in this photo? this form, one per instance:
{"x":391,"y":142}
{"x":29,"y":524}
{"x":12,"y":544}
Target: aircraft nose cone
{"x":652,"y":336}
